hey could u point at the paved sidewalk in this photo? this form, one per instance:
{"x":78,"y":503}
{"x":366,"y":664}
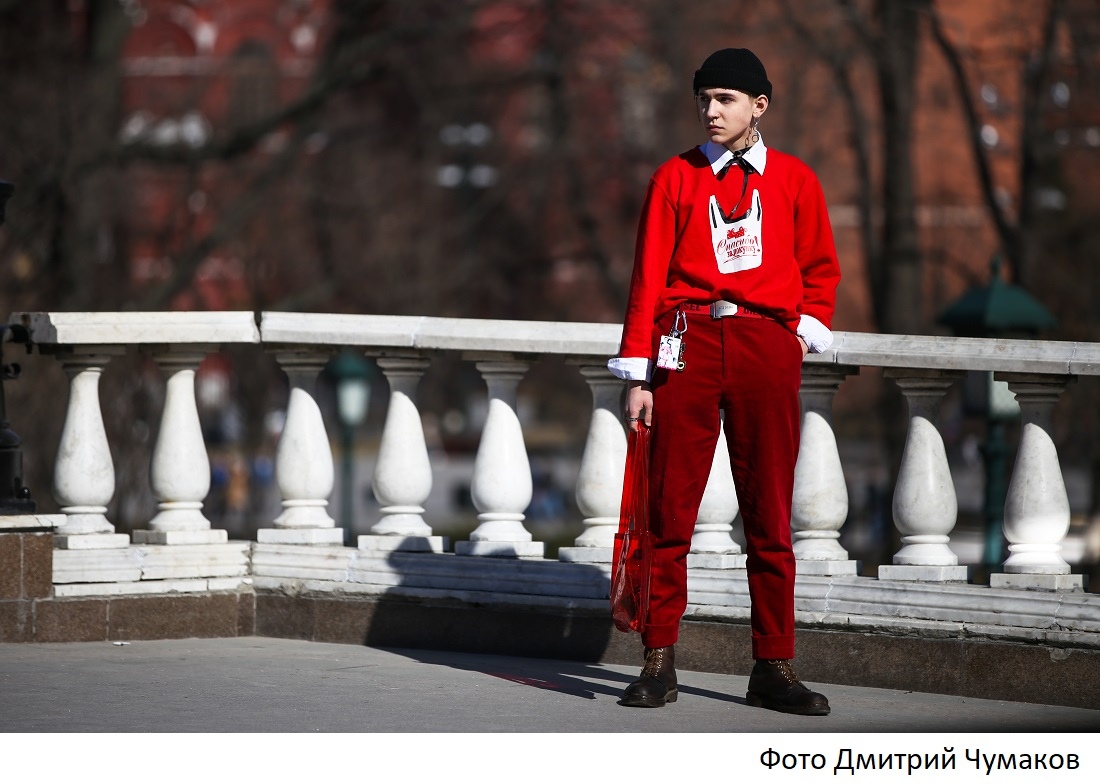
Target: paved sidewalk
{"x":264,"y":685}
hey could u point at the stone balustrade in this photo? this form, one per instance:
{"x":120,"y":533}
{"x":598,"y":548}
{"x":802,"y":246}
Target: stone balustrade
{"x":1035,"y":597}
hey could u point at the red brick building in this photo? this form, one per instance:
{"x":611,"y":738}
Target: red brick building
{"x":198,"y":70}
{"x":194,"y":72}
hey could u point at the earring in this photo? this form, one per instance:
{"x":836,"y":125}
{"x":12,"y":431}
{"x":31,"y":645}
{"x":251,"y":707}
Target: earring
{"x":754,"y":136}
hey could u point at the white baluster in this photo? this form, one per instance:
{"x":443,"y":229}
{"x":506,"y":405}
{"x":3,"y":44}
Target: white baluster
{"x":820,"y":504}
{"x":84,"y":474}
{"x":712,"y":544}
{"x":304,"y":469}
{"x":600,"y":478}
{"x":180,"y":470}
{"x":403,"y":471}
{"x":925,"y":507}
{"x":1037,"y":507}
{"x":502,"y":487}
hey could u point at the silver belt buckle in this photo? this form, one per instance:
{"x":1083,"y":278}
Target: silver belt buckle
{"x":722,"y":308}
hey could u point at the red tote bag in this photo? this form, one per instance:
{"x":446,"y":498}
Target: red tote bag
{"x":633,"y":555}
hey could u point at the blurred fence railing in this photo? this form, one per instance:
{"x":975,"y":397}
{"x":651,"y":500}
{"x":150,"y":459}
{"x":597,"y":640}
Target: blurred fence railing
{"x":1034,"y":596}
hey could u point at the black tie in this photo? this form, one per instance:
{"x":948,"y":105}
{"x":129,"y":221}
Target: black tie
{"x":739,"y":159}
{"x":746,"y":170}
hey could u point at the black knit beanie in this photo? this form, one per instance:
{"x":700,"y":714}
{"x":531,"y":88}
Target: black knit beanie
{"x":734,"y":69}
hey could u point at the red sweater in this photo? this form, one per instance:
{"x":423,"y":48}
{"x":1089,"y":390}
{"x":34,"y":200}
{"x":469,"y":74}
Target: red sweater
{"x":775,"y":256}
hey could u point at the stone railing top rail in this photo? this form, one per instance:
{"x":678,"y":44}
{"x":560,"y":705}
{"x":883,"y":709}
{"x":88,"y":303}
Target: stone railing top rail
{"x":488,"y":336}
{"x":133,"y":328}
{"x":428,"y":333}
{"x":950,"y":353}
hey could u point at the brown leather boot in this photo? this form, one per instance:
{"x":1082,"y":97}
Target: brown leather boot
{"x":773,"y":685}
{"x":657,"y":685}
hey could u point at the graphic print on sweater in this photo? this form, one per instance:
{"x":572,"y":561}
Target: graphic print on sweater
{"x":736,"y":239}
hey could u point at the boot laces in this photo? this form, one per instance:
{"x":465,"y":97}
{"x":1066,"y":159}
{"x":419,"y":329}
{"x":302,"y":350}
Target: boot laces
{"x":785,"y":669}
{"x":654,"y":661}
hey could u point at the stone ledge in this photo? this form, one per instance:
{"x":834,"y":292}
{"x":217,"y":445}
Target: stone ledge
{"x":717,"y":560}
{"x":33,"y":523}
{"x":501,"y":549}
{"x":320,"y":536}
{"x":152,"y":587}
{"x":413,"y":594}
{"x":842,"y":602}
{"x":91,"y":541}
{"x":151,"y":562}
{"x":845,"y":568}
{"x":214,"y":536}
{"x":96,"y":566}
{"x":1057,"y":625}
{"x":1063,"y":583}
{"x":449,"y":573}
{"x":924,"y":574}
{"x":377,"y":544}
{"x":587,"y":555}
{"x":301,"y":561}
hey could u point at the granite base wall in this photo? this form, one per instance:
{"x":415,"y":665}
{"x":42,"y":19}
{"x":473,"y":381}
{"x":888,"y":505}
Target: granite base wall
{"x":121,"y":618}
{"x":1016,"y":672}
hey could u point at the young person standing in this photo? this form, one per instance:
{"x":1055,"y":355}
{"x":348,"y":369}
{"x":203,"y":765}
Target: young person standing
{"x":734,"y":280}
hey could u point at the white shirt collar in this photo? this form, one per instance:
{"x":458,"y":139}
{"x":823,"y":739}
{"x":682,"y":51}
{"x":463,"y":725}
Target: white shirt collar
{"x":718,"y":156}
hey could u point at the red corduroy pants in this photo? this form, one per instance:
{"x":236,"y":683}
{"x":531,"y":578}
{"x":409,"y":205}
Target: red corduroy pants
{"x":749,"y":369}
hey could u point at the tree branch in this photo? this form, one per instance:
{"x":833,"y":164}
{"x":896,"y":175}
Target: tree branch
{"x":1031,"y":138}
{"x":188,"y":262}
{"x":578,"y":193}
{"x":859,"y":136}
{"x":858,"y":22}
{"x":1006,"y":231}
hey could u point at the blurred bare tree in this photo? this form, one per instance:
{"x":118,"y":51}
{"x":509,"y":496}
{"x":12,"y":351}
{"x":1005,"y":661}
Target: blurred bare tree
{"x":487,"y":158}
{"x":968,"y":127}
{"x":997,"y":80}
{"x":449,"y":158}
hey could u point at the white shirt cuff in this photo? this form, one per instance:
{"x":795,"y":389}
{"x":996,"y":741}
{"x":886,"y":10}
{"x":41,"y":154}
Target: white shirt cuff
{"x":630,"y":368}
{"x":817,"y":336}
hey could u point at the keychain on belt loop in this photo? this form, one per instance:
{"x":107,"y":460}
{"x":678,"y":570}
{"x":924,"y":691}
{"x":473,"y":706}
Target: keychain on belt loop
{"x":670,"y":354}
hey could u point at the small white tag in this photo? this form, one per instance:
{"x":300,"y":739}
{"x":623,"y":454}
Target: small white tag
{"x":669,"y":353}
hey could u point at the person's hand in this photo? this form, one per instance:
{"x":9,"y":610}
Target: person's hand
{"x":639,"y":404}
{"x":805,"y":346}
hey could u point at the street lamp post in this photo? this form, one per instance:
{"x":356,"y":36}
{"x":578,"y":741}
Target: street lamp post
{"x":998,"y":310}
{"x":1001,"y":408}
{"x":351,"y":374}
